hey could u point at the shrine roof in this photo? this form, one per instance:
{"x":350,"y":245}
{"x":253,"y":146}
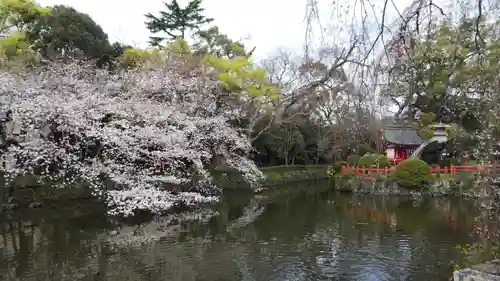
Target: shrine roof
{"x":402,"y":135}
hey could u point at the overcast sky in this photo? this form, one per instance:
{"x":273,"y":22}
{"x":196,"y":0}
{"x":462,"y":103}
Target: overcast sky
{"x":269,"y":24}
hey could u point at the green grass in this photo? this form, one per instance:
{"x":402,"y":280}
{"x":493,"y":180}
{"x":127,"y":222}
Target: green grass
{"x":275,"y":175}
{"x":285,"y":174}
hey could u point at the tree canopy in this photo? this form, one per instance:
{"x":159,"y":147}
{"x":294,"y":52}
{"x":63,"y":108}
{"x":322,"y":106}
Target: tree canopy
{"x":283,"y":110}
{"x":175,"y":21}
{"x":435,"y":73}
{"x":67,"y":30}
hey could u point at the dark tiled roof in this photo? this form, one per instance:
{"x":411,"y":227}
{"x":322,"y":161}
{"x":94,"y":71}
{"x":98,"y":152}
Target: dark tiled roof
{"x":402,"y":135}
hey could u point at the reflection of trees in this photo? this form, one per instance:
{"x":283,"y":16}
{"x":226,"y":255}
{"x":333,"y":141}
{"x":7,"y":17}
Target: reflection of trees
{"x":302,"y":236}
{"x":328,"y":238}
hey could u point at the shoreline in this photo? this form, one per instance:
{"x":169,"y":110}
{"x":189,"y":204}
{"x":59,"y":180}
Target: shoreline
{"x":49,"y":195}
{"x":439,"y":187}
{"x":276,"y":178}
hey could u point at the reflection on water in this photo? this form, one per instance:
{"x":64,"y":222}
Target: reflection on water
{"x":297,"y":236}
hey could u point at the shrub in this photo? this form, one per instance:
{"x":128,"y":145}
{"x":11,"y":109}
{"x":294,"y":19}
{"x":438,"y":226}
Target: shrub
{"x":338,"y":166}
{"x":366,"y":161}
{"x":365,"y":149}
{"x":381,"y":161}
{"x":450,"y":161}
{"x":412,"y":173}
{"x":353,"y":160}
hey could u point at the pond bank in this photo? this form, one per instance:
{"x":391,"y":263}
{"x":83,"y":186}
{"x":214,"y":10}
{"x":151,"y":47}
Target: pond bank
{"x":462,"y":186}
{"x":28,"y":191}
{"x":50,"y":195}
{"x":277,"y":175}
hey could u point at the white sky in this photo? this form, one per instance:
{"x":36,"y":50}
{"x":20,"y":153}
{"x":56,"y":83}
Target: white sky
{"x":270,"y":24}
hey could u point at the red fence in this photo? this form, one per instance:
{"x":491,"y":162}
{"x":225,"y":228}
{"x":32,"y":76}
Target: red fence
{"x":452,"y":170}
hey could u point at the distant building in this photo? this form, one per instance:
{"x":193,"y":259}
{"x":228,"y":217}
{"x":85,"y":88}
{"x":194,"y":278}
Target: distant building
{"x":4,"y":35}
{"x":400,"y":141}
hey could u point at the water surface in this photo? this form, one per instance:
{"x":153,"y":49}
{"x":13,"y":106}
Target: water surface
{"x":308,"y":234}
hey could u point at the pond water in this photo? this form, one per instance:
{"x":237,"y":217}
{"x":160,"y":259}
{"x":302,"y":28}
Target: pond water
{"x":307,"y":234}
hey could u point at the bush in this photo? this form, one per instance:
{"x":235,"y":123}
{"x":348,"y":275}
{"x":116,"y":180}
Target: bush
{"x":365,"y":149}
{"x":338,"y":166}
{"x":366,"y":161}
{"x":450,"y":161}
{"x":412,"y":173}
{"x":381,"y":161}
{"x":353,"y":160}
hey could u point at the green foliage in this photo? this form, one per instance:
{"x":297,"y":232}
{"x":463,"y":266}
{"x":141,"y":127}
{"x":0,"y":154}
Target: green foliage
{"x":412,"y":173}
{"x":444,"y":65}
{"x":374,"y":161}
{"x":239,"y":74}
{"x":337,"y":168}
{"x":427,"y":119}
{"x":15,"y":49}
{"x":66,"y":29}
{"x":52,"y":31}
{"x":179,"y":46}
{"x":20,"y":14}
{"x":447,"y":162}
{"x":353,"y":160}
{"x":426,"y":130}
{"x":212,"y":42}
{"x":285,"y":174}
{"x":302,"y":139}
{"x":364,"y":149}
{"x":476,"y":253}
{"x":381,"y":161}
{"x":366,"y":161}
{"x":175,"y":21}
{"x":14,"y":45}
{"x":132,"y":58}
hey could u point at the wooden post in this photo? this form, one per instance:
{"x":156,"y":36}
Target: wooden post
{"x":371,"y":171}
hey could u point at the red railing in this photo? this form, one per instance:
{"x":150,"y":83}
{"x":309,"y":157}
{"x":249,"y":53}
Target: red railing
{"x":396,"y":161}
{"x":452,"y":170}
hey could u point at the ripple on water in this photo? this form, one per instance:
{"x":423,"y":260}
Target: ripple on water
{"x":303,"y":240}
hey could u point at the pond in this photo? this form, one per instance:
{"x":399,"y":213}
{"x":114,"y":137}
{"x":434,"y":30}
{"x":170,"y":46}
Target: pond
{"x":306,"y":234}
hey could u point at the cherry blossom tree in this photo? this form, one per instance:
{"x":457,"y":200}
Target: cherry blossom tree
{"x":69,"y":120}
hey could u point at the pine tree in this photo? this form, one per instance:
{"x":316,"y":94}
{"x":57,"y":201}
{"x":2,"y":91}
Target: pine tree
{"x":175,"y":21}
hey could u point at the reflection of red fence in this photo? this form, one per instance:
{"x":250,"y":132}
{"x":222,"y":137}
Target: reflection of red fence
{"x":452,"y":170}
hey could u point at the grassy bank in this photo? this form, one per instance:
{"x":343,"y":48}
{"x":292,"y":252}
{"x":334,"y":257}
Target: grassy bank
{"x":48,"y":193}
{"x":276,"y":175}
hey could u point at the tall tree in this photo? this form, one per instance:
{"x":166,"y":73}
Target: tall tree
{"x":435,"y":74}
{"x":66,"y":29}
{"x":19,"y":14}
{"x":175,"y":21}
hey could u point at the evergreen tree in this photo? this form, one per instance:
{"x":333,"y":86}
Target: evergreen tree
{"x":68,"y":29}
{"x":175,"y":21}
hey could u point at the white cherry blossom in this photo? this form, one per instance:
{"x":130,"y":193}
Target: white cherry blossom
{"x":110,"y":130}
